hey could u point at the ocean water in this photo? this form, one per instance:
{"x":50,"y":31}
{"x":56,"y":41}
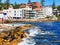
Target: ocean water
{"x":45,"y":33}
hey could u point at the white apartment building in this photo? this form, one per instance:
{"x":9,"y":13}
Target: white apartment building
{"x":31,"y":14}
{"x":39,"y":14}
{"x":16,"y":13}
{"x":56,"y":12}
{"x":46,"y":11}
{"x":27,"y":12}
{"x":1,"y":14}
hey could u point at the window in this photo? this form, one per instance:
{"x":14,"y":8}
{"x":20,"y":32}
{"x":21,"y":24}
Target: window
{"x":34,"y":7}
{"x":14,"y":14}
{"x":9,"y":11}
{"x":5,"y":13}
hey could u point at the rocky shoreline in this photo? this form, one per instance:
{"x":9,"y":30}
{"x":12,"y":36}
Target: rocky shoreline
{"x":13,"y":36}
{"x":29,"y":20}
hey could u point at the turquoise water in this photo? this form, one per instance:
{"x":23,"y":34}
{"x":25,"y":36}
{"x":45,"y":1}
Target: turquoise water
{"x":47,"y":39}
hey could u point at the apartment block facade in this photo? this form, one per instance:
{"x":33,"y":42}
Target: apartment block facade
{"x":27,"y":13}
{"x":47,"y":11}
{"x":30,"y":14}
{"x":16,"y":13}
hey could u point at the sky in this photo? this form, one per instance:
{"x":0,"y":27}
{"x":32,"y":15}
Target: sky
{"x":47,"y":2}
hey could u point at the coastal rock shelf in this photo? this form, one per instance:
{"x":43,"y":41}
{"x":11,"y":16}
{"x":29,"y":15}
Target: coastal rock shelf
{"x":13,"y":36}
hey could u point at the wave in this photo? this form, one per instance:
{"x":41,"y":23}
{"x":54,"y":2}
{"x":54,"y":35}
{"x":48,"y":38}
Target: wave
{"x":32,"y":33}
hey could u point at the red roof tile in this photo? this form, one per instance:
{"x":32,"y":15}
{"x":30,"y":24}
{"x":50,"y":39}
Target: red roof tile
{"x":34,"y":5}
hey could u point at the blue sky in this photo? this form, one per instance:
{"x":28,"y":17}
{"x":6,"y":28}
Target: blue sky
{"x":47,"y":2}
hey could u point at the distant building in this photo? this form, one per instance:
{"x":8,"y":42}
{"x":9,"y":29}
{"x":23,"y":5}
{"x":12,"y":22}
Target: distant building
{"x":47,"y":11}
{"x":16,"y":13}
{"x":30,"y":14}
{"x":56,"y":12}
{"x":44,"y":12}
{"x":22,"y":5}
{"x":40,"y":14}
{"x":34,"y":5}
{"x":29,"y":11}
{"x":2,"y":17}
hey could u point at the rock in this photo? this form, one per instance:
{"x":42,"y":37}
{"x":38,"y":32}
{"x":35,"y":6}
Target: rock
{"x":3,"y":34}
{"x":13,"y":36}
{"x":6,"y":43}
{"x":14,"y":42}
{"x":1,"y":40}
{"x":28,"y":25}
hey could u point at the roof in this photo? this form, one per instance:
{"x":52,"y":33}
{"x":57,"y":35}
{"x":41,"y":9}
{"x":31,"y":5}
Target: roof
{"x":34,"y":5}
{"x":22,"y":5}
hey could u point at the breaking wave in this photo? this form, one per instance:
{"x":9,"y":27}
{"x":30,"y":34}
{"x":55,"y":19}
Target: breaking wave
{"x":45,"y":33}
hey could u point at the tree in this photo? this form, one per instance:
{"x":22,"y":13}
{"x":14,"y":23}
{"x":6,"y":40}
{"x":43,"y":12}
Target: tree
{"x":29,"y":1}
{"x":53,"y":5}
{"x":16,"y":5}
{"x":0,"y":7}
{"x":0,"y":1}
{"x":4,"y":5}
{"x":58,"y":7}
{"x":7,"y":3}
{"x":42,"y":2}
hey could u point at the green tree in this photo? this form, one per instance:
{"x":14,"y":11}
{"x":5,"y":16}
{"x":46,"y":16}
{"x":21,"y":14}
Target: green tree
{"x":42,"y":2}
{"x":7,"y":3}
{"x":53,"y":5}
{"x":58,"y":7}
{"x":0,"y":2}
{"x":4,"y":5}
{"x":16,"y":5}
{"x":29,"y":1}
{"x":0,"y":7}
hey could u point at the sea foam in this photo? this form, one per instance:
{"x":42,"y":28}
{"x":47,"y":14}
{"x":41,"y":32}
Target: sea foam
{"x":32,"y":33}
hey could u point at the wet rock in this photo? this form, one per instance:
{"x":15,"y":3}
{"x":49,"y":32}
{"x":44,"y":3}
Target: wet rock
{"x":13,"y":36}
